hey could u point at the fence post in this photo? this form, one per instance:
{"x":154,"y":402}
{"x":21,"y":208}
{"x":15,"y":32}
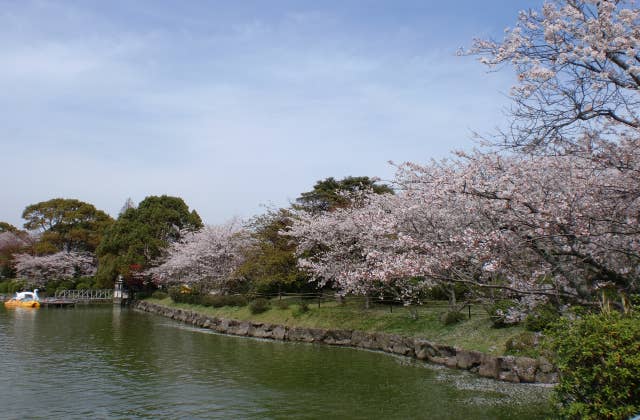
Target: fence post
{"x":469,"y":310}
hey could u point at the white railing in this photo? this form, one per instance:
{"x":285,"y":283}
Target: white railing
{"x":86,"y":295}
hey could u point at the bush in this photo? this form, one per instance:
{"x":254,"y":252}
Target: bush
{"x":88,"y":282}
{"x":598,"y":357}
{"x":525,"y":344}
{"x":4,"y":286}
{"x":16,"y":286}
{"x":217,"y":301}
{"x":236,"y":300}
{"x":282,"y":304}
{"x":159,"y":294}
{"x":499,"y":311}
{"x":259,"y":306}
{"x":182,"y":295}
{"x":83,"y":286}
{"x":452,"y":317}
{"x":541,"y":317}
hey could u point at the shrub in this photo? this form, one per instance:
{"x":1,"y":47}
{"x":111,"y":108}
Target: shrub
{"x":499,"y":313}
{"x":4,"y":286}
{"x":159,"y":294}
{"x":282,"y":304}
{"x":259,"y":306}
{"x":452,"y":317}
{"x":541,"y":317}
{"x":524,"y":344}
{"x":598,"y":357}
{"x":86,"y":281}
{"x":236,"y":300}
{"x":16,"y":286}
{"x":182,"y":295}
{"x":217,"y":301}
{"x":65,"y":285}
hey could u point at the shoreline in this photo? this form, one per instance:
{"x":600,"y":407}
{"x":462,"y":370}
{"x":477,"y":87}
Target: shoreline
{"x":503,"y":368}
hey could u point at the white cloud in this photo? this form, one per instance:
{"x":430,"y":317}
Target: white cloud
{"x":228,"y":120}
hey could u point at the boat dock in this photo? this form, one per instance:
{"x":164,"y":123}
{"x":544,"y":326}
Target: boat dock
{"x":56,"y":303}
{"x":68,"y":298}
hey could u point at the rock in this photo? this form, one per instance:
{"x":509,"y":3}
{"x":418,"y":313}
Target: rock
{"x":243,"y":328}
{"x":451,"y":362}
{"x":338,"y":337}
{"x":423,"y":349}
{"x":382,"y":341}
{"x":399,"y":345}
{"x":526,"y":368}
{"x":280,"y":332}
{"x":547,"y":378}
{"x":437,"y":359}
{"x":545,"y":365}
{"x":445,"y":351}
{"x":489,"y":367}
{"x":468,"y":359}
{"x":506,"y":368}
{"x":509,"y":376}
{"x":507,"y":363}
{"x":364,"y":340}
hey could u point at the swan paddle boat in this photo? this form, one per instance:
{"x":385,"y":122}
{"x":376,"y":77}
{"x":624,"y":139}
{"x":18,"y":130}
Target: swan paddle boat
{"x":24,"y":300}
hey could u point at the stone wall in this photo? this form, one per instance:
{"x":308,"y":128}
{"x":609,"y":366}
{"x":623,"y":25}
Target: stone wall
{"x":504,"y":368}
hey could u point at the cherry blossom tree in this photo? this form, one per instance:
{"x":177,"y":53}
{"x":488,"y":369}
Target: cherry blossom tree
{"x":578,"y":69}
{"x":207,"y":258}
{"x":362,"y":249}
{"x":12,"y":242}
{"x":542,"y":227}
{"x":62,"y":265}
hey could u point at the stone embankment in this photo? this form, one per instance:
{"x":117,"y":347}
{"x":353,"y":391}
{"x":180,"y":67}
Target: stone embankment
{"x":504,"y":368}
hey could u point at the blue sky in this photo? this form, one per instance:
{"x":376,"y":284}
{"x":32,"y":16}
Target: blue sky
{"x":234,"y":105}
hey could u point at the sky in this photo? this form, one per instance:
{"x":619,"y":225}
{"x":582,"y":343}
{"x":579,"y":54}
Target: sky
{"x":235,"y":105}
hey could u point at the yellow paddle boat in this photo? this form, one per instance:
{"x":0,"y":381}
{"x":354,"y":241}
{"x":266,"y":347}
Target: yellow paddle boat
{"x":24,"y":300}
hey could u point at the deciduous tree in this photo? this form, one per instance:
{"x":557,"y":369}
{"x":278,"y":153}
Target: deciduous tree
{"x":207,"y":259}
{"x":578,"y":69}
{"x":61,"y":265}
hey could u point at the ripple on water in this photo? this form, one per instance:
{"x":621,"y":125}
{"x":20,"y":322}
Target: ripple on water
{"x":102,"y":363}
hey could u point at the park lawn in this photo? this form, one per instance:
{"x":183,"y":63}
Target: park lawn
{"x":476,"y":333}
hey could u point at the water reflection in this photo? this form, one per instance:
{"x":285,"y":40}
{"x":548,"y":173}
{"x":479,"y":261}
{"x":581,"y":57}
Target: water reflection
{"x":115,"y":362}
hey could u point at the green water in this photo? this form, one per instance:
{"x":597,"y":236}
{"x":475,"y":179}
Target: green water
{"x":103,"y":362}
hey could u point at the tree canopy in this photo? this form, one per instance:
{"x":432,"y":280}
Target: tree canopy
{"x":271,"y":264}
{"x":578,"y":70}
{"x":140,"y":235}
{"x":66,"y":225}
{"x":7,"y":227}
{"x":329,"y":194}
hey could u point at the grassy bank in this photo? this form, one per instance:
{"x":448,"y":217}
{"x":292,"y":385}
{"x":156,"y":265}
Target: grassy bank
{"x":476,"y":333}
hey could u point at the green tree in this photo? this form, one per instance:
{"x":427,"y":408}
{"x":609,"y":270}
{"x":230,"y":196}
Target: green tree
{"x":7,"y":227}
{"x":66,"y":225}
{"x":141,"y":234}
{"x":329,"y":193}
{"x":271,"y":265}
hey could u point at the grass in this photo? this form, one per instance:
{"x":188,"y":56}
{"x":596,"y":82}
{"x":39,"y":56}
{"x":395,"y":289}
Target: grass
{"x":476,"y":333}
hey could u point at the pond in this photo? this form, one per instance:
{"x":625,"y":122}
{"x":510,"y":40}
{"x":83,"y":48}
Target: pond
{"x":106,"y":362}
